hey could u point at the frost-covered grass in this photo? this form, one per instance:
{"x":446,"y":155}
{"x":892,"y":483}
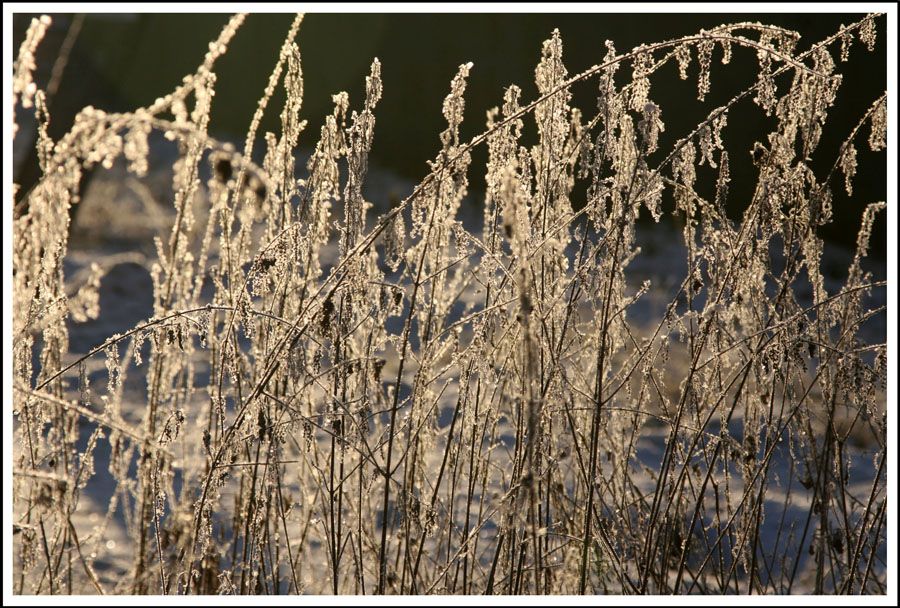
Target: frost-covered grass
{"x":314,"y":400}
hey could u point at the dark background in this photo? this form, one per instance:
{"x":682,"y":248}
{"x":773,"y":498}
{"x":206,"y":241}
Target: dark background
{"x":120,"y":62}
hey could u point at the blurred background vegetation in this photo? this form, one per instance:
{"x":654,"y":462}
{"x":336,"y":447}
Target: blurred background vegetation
{"x":122,"y":61}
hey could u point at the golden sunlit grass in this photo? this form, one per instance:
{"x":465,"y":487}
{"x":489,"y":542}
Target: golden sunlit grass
{"x":322,"y":402}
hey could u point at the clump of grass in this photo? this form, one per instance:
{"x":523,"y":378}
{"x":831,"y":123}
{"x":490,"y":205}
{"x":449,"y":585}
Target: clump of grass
{"x":404,"y":405}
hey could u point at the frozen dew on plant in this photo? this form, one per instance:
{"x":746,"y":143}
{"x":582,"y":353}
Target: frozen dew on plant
{"x":328,"y":397}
